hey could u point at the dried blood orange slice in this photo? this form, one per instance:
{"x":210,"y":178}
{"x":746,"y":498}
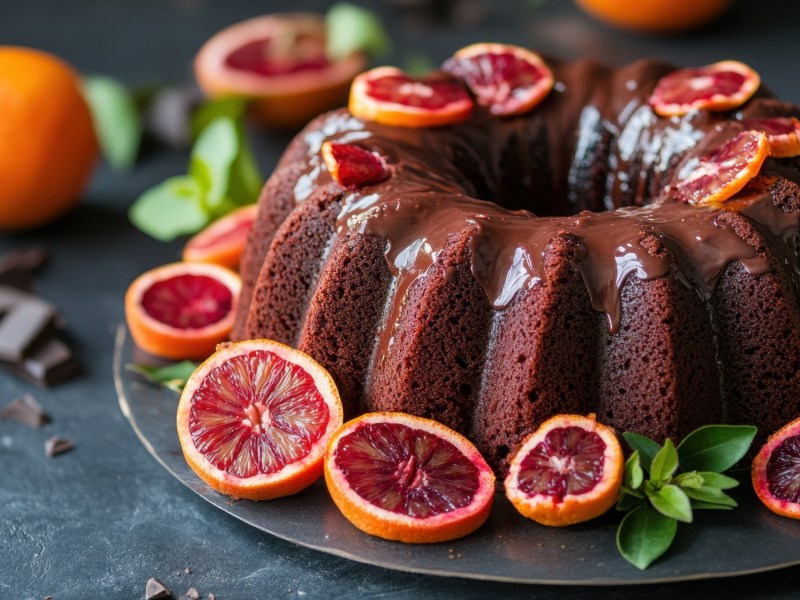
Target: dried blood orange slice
{"x":182,"y":310}
{"x":279,"y":62}
{"x":716,"y":175}
{"x":509,"y":80}
{"x":567,"y":471}
{"x":776,"y":471}
{"x":722,"y":86}
{"x":353,"y":166}
{"x":783,"y":134}
{"x":389,"y":96}
{"x":406,"y":478}
{"x":223,"y":241}
{"x":253,"y":420}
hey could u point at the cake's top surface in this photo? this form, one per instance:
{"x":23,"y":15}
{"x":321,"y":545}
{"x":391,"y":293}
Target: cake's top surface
{"x":589,"y":164}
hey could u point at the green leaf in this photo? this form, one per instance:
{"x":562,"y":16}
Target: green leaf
{"x":698,"y":505}
{"x":352,"y":29}
{"x":418,"y":65}
{"x":646,"y":447}
{"x":232,"y":107}
{"x":671,"y":501}
{"x":116,"y":120}
{"x":628,"y":502}
{"x":634,"y":476}
{"x":665,"y":463}
{"x":644,"y":535}
{"x":245,"y":180}
{"x":170,"y":209}
{"x":173,"y":376}
{"x":716,"y":480}
{"x":213,"y":156}
{"x":711,"y":495}
{"x":692,"y":479}
{"x":715,"y":447}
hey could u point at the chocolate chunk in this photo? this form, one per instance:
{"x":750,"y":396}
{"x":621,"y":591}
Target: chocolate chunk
{"x":22,"y":327}
{"x":156,"y":589}
{"x":18,"y":266}
{"x":25,"y":409}
{"x":49,"y":364}
{"x":56,"y":445}
{"x":192,"y":594}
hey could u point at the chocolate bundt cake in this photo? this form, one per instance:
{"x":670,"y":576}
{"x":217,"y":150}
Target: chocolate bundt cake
{"x":512,"y":268}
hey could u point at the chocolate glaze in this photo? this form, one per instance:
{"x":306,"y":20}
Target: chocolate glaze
{"x":591,"y":161}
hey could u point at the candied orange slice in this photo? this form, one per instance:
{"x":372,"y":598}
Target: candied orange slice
{"x":716,"y":175}
{"x":353,"y":166}
{"x":719,"y":87}
{"x":254,"y":419}
{"x":508,"y":80}
{"x":387,"y":95}
{"x":566,"y":472}
{"x":409,"y":479}
{"x":783,"y":134}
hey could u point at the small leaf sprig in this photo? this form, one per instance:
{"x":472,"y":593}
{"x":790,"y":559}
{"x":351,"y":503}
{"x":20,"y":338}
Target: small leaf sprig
{"x":679,"y":480}
{"x":173,"y":376}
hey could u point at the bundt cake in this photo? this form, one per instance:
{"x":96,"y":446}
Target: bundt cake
{"x":511,"y":268}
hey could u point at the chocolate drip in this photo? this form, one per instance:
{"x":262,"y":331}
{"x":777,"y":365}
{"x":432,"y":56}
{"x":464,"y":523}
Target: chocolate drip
{"x":599,"y":127}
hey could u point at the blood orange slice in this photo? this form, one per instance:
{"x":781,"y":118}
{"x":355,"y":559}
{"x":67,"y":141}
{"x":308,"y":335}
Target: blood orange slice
{"x":776,"y":471}
{"x":353,"y":166}
{"x":783,"y":134}
{"x":716,"y":175}
{"x":406,"y":478}
{"x":389,"y":96}
{"x":722,"y":86}
{"x":182,"y":310}
{"x":254,"y":419}
{"x":223,"y":241}
{"x":509,"y":80}
{"x":568,"y":471}
{"x":279,"y":61}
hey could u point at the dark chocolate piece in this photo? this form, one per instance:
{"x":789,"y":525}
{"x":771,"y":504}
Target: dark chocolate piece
{"x":23,"y":326}
{"x":56,"y":445}
{"x":26,"y":410}
{"x":49,"y":364}
{"x":156,"y":589}
{"x":192,"y":594}
{"x":18,"y":266}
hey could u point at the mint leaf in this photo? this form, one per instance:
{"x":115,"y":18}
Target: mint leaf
{"x":173,"y":376}
{"x":170,"y":209}
{"x":692,"y":479}
{"x":352,"y":29}
{"x":711,"y":495}
{"x":116,"y":120}
{"x":646,"y":447}
{"x":634,"y":476}
{"x":665,"y":463}
{"x":644,"y":535}
{"x":245,"y":181}
{"x":715,"y":447}
{"x":716,"y":480}
{"x":671,"y":501}
{"x":232,"y":107}
{"x":698,"y":505}
{"x":213,"y":156}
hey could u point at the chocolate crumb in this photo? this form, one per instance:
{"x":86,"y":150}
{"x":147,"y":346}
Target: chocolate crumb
{"x":56,"y":445}
{"x":212,"y":597}
{"x":155,"y":589}
{"x":26,"y":410}
{"x":48,"y":598}
{"x":192,"y":594}
{"x":187,"y":571}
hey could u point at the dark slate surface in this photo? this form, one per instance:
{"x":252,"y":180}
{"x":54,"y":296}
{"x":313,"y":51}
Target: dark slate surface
{"x":98,"y":521}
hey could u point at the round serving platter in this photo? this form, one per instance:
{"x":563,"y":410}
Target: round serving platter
{"x":507,"y":548}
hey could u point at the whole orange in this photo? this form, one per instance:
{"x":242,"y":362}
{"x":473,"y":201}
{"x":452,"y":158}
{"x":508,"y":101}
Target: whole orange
{"x":655,"y":16}
{"x":47,"y":142}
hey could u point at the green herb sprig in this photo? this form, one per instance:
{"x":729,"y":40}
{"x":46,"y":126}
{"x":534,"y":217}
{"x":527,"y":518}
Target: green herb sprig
{"x":173,"y":376}
{"x":679,"y":480}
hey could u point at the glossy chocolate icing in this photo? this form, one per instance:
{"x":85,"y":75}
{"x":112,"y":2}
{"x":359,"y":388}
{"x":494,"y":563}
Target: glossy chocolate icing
{"x":590,"y":163}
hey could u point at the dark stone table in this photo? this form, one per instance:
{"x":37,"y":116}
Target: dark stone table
{"x":98,"y":521}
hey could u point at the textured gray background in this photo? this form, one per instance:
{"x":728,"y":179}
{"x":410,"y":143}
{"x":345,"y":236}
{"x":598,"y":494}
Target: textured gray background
{"x":99,"y":521}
